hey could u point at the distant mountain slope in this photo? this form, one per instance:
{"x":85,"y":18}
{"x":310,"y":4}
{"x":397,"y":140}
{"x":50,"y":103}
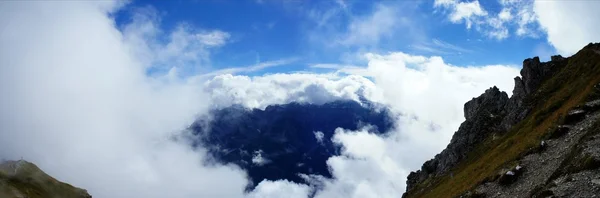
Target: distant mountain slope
{"x":284,"y":141}
{"x":543,"y":141}
{"x":22,"y":179}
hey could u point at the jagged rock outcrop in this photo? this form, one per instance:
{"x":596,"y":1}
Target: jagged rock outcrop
{"x":533,"y":74}
{"x":492,"y":112}
{"x":555,"y":103}
{"x":483,"y":116}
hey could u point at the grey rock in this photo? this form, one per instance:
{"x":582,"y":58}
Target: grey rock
{"x":560,"y":131}
{"x":592,"y":105}
{"x":556,"y":58}
{"x":569,"y":165}
{"x":476,"y":128}
{"x":575,"y":115}
{"x":479,"y":125}
{"x":533,"y":74}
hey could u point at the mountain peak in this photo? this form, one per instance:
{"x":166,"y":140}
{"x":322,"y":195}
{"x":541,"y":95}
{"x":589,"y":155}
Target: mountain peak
{"x":21,"y":178}
{"x":505,"y":140}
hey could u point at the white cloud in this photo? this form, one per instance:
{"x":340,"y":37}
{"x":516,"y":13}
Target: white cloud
{"x":439,"y":47}
{"x":427,"y":97}
{"x":319,"y":136}
{"x":212,"y":38}
{"x":516,"y":15}
{"x":76,"y":102}
{"x":186,"y":48}
{"x":462,"y":11}
{"x":336,"y":26}
{"x":364,"y":169}
{"x":505,"y":14}
{"x":570,"y":25}
{"x":258,"y":159}
{"x":280,"y":188}
{"x":261,"y":91}
{"x":83,"y":109}
{"x":256,"y":67}
{"x":372,"y":28}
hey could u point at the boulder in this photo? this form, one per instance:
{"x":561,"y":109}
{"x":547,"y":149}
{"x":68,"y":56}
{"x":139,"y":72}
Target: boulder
{"x":543,"y":146}
{"x":511,"y":176}
{"x":574,"y":116}
{"x":560,"y":131}
{"x":592,"y":105}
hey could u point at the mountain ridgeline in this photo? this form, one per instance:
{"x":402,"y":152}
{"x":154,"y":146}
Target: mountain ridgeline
{"x":22,"y":179}
{"x":284,"y":141}
{"x":543,"y":141}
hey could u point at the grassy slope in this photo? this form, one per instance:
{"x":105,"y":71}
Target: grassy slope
{"x":569,"y":87}
{"x":31,"y":182}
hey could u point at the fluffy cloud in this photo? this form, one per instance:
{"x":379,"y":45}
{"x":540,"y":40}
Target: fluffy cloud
{"x":76,"y":101}
{"x":569,"y":25}
{"x":336,"y":25}
{"x":425,"y":94}
{"x":365,"y":168}
{"x":460,"y":11}
{"x":187,"y":49}
{"x":261,"y":91}
{"x":280,"y":188}
{"x":370,"y":29}
{"x":516,"y":15}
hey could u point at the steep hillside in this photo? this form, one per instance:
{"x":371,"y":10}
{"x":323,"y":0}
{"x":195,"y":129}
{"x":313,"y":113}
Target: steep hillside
{"x":542,"y":141}
{"x":20,"y":179}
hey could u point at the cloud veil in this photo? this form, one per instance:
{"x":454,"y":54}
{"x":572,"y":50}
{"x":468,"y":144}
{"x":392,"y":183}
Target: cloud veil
{"x":78,"y":100}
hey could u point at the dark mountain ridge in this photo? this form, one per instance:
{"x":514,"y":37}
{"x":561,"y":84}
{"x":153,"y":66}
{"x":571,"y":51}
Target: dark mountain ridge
{"x":284,"y":141}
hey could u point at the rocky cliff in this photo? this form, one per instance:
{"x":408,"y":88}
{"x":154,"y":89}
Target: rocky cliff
{"x":22,"y":179}
{"x":504,"y":138}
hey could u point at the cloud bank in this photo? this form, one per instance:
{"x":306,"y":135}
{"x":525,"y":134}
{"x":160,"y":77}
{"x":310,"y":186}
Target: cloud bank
{"x":78,"y":100}
{"x":568,"y":25}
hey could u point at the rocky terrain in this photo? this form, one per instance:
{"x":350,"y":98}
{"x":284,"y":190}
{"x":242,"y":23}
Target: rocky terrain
{"x":543,"y":141}
{"x":22,"y":179}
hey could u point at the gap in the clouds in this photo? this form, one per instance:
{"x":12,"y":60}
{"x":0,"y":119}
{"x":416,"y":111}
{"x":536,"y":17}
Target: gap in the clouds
{"x":284,"y":141}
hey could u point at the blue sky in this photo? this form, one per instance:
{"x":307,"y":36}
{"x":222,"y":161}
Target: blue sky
{"x":321,"y":32}
{"x":114,"y":82}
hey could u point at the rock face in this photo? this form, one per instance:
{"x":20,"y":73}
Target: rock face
{"x":533,"y":74}
{"x":483,"y":116}
{"x":490,"y":113}
{"x":20,"y":179}
{"x":566,"y":162}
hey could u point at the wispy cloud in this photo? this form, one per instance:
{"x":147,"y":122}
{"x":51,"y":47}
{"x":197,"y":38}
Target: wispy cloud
{"x":330,"y":66}
{"x":371,"y":29}
{"x":516,"y":15}
{"x":441,"y":47}
{"x":342,"y":68}
{"x":335,"y":25}
{"x":252,"y":68}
